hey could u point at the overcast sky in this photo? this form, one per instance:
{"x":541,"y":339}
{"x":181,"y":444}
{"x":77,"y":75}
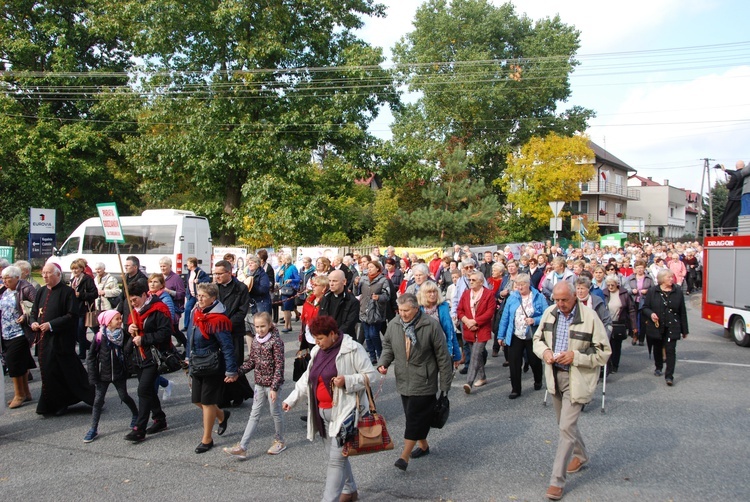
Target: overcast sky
{"x":663,"y":98}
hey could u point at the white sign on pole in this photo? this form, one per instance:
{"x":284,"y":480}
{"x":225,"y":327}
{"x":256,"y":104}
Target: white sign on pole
{"x":111,"y":222}
{"x":632,"y":226}
{"x":42,"y":221}
{"x":556,"y":206}
{"x":555,"y":224}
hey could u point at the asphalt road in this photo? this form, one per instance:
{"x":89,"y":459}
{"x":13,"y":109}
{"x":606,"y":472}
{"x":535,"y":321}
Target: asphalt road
{"x":654,"y":443}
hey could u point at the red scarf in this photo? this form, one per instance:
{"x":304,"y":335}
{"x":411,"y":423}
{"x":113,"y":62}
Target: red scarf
{"x":211,"y":323}
{"x":153,"y":304}
{"x":372,"y":277}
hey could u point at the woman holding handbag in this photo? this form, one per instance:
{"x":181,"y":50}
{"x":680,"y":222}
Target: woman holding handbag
{"x":622,"y":309}
{"x":86,"y":293}
{"x":334,"y":379}
{"x":521,"y":316}
{"x":415,"y":345}
{"x":288,"y":279}
{"x":211,"y":355}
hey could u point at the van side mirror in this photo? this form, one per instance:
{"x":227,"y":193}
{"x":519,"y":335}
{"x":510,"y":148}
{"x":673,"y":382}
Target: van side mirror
{"x":55,"y":251}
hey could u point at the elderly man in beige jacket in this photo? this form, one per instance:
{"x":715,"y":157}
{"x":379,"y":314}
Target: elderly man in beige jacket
{"x":573,"y":343}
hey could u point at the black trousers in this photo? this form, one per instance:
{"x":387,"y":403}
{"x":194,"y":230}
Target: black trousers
{"x":148,"y":399}
{"x":515,"y":357}
{"x":616,"y":343}
{"x":670,"y":344}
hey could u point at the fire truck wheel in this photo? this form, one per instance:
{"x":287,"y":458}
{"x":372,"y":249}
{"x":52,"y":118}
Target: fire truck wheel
{"x":738,"y":332}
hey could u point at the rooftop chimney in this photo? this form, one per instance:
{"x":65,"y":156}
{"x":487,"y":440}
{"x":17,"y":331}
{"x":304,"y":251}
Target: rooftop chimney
{"x":666,"y":183}
{"x":649,"y":178}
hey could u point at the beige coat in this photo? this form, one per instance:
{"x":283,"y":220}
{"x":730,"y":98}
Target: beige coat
{"x":587,"y":338}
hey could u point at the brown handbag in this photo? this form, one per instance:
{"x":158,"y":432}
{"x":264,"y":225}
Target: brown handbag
{"x":91,"y":320}
{"x":371,"y":434}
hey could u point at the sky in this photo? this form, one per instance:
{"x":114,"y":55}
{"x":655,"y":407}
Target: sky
{"x":669,"y":80}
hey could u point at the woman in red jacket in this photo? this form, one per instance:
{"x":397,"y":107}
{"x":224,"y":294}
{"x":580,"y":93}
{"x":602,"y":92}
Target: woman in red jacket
{"x":475,"y":310}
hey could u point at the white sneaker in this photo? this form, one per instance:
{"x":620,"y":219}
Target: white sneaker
{"x":237,"y":451}
{"x":167,"y":390}
{"x":276,"y":448}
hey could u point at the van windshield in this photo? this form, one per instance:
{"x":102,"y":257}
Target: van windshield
{"x":143,"y":239}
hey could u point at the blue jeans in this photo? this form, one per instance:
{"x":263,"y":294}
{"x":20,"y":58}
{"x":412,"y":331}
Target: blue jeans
{"x":745,"y":204}
{"x":189,"y":304}
{"x":372,"y":337}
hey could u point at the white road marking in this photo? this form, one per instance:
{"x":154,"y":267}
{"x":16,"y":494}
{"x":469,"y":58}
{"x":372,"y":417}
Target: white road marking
{"x":714,"y":362}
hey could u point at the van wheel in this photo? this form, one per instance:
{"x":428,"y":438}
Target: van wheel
{"x":738,"y":332}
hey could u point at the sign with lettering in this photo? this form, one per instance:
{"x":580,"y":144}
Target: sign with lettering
{"x":41,"y":221}
{"x":110,"y":222}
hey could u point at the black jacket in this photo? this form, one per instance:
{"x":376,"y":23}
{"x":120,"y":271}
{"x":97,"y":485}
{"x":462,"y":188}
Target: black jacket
{"x":670,"y":308}
{"x":236,"y":299}
{"x":87,"y":293}
{"x":346,"y":313}
{"x":122,"y":305}
{"x":103,"y":363}
{"x":157,"y":332}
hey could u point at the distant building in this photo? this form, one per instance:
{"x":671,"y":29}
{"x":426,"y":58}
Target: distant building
{"x":605,"y":198}
{"x":668,"y":212}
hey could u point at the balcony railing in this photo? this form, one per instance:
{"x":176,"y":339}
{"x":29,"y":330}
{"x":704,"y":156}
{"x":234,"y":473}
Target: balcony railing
{"x":603,"y":219}
{"x":607,"y":188}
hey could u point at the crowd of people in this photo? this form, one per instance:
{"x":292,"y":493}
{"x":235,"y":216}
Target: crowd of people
{"x":564,"y":314}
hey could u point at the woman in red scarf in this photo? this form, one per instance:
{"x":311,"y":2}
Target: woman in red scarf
{"x":210,"y":332}
{"x":149,"y":325}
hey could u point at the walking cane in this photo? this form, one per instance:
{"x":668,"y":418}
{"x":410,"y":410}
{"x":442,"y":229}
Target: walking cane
{"x":604,"y":386}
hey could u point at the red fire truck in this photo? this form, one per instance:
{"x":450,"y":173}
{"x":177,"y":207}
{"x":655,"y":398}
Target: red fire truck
{"x":726,"y":285}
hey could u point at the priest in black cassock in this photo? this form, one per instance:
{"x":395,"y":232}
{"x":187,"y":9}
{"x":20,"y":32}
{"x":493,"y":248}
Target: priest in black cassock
{"x":54,"y":318}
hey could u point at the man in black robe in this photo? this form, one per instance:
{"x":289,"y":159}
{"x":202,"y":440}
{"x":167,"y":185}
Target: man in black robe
{"x":236,"y":299}
{"x":730,"y":217}
{"x":54,"y":317}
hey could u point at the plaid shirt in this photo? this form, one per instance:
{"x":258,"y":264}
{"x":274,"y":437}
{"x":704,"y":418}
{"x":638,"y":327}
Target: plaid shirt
{"x":562,"y":334}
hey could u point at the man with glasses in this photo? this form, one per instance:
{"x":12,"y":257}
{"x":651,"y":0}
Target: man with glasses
{"x":133,"y":275}
{"x":236,"y":299}
{"x":573,"y":343}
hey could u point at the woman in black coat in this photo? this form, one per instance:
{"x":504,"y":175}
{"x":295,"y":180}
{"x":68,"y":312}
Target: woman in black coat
{"x":622,"y":309}
{"x":86,"y":293}
{"x":666,"y":321}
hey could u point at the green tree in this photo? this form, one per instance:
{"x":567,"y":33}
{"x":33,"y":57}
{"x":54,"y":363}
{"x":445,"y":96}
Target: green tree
{"x":55,"y":150}
{"x":455,"y":206}
{"x":488,"y":80}
{"x":247,"y":103}
{"x":547,"y":169}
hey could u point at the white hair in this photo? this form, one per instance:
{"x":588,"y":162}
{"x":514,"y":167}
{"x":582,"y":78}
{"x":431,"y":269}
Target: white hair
{"x":166,"y":261}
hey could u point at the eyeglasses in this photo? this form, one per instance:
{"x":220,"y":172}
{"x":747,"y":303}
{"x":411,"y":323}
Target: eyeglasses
{"x":469,"y":267}
{"x":474,"y":280}
{"x":219,"y":273}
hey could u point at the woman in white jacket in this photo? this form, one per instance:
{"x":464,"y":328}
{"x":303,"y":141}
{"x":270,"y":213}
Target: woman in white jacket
{"x":334,"y":377}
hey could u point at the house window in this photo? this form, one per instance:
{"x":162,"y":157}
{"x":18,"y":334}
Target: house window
{"x":602,"y":207}
{"x":671,"y":212}
{"x":618,"y":208}
{"x":618,"y":180}
{"x":579,"y":206}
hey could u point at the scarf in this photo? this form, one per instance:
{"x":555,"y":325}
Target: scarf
{"x":432,"y":312}
{"x":268,"y":336}
{"x":409,"y":327}
{"x":374,"y":276}
{"x":115,"y":337}
{"x":153,"y":304}
{"x":210,"y":323}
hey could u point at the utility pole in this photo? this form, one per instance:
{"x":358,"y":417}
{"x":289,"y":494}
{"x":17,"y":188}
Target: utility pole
{"x":706,"y":176}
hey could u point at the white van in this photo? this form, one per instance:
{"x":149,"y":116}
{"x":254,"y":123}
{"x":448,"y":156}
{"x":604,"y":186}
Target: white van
{"x":151,"y":236}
